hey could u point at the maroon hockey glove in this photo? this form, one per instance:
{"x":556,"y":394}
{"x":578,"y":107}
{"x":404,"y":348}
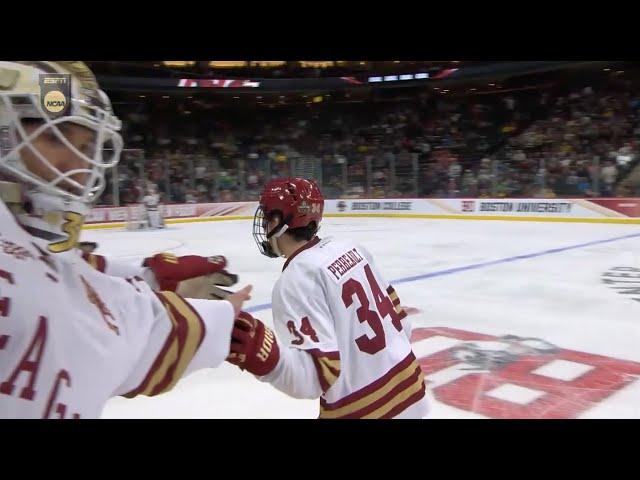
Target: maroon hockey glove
{"x":253,"y":345}
{"x":191,"y":276}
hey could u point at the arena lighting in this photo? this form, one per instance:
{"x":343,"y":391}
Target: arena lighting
{"x":180,"y":63}
{"x":402,"y":77}
{"x":227,"y":63}
{"x":267,"y":63}
{"x":316,"y":64}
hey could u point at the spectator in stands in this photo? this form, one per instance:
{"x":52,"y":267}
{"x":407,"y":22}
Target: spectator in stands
{"x":570,"y":130}
{"x":609,"y":174}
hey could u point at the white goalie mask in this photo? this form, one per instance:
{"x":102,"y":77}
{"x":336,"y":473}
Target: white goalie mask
{"x":48,"y":97}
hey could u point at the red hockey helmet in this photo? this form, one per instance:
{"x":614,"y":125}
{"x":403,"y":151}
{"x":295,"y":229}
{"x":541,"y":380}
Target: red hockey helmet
{"x":296,"y":201}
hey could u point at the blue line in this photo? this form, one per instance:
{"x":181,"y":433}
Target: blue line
{"x":475,"y":266}
{"x":257,"y":308}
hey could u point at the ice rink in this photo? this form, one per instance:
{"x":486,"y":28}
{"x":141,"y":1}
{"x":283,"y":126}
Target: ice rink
{"x":517,"y":319}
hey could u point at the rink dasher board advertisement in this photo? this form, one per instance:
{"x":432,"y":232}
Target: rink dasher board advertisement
{"x":115,"y":216}
{"x":521,"y":207}
{"x":600,"y":210}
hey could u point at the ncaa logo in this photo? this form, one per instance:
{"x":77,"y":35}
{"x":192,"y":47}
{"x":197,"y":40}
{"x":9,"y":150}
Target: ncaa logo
{"x":468,"y":206}
{"x":342,"y":206}
{"x":55,"y":101}
{"x":55,"y":93}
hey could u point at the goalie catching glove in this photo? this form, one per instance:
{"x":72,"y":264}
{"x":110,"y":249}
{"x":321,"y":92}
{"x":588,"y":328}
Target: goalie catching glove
{"x":191,"y":276}
{"x":253,"y":345}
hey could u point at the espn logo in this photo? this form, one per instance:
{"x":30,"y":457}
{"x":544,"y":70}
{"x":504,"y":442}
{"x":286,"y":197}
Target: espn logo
{"x":55,"y":81}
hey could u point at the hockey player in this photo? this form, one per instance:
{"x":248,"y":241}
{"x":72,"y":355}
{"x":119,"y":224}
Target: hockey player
{"x":151,"y":202}
{"x":338,"y":322}
{"x":71,"y":337}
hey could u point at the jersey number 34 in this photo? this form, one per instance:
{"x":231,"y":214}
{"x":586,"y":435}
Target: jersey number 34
{"x":383,"y":308}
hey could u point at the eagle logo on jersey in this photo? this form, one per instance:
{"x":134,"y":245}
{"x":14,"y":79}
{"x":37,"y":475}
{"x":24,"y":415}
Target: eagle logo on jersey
{"x":93,"y":297}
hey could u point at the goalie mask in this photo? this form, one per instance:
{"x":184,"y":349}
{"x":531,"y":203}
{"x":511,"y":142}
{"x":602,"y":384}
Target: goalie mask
{"x":58,"y":135}
{"x":295,"y":202}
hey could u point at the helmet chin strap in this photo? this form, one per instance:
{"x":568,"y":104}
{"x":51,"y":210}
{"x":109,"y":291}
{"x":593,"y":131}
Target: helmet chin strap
{"x":273,"y":239}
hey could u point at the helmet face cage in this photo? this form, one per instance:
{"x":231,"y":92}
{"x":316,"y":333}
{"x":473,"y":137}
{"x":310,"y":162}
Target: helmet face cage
{"x":260,"y":234}
{"x":106,"y":152}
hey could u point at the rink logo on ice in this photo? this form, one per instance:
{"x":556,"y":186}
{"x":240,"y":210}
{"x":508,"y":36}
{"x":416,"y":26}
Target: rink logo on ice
{"x":515,"y":377}
{"x":624,"y":280}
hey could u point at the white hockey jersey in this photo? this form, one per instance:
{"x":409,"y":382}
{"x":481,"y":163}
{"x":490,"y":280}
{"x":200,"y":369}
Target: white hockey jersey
{"x":151,"y":201}
{"x":119,"y":268}
{"x":332,"y":302}
{"x":71,"y":337}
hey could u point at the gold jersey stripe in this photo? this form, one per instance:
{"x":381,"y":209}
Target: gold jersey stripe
{"x":328,"y":367}
{"x":413,"y":389}
{"x":373,"y":396}
{"x":188,"y":347}
{"x":181,"y":345}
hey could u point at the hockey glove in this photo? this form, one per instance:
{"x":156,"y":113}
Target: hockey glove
{"x":253,"y":345}
{"x":191,"y":276}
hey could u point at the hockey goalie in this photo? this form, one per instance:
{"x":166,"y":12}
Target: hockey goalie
{"x":75,"y":331}
{"x":151,"y":206}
